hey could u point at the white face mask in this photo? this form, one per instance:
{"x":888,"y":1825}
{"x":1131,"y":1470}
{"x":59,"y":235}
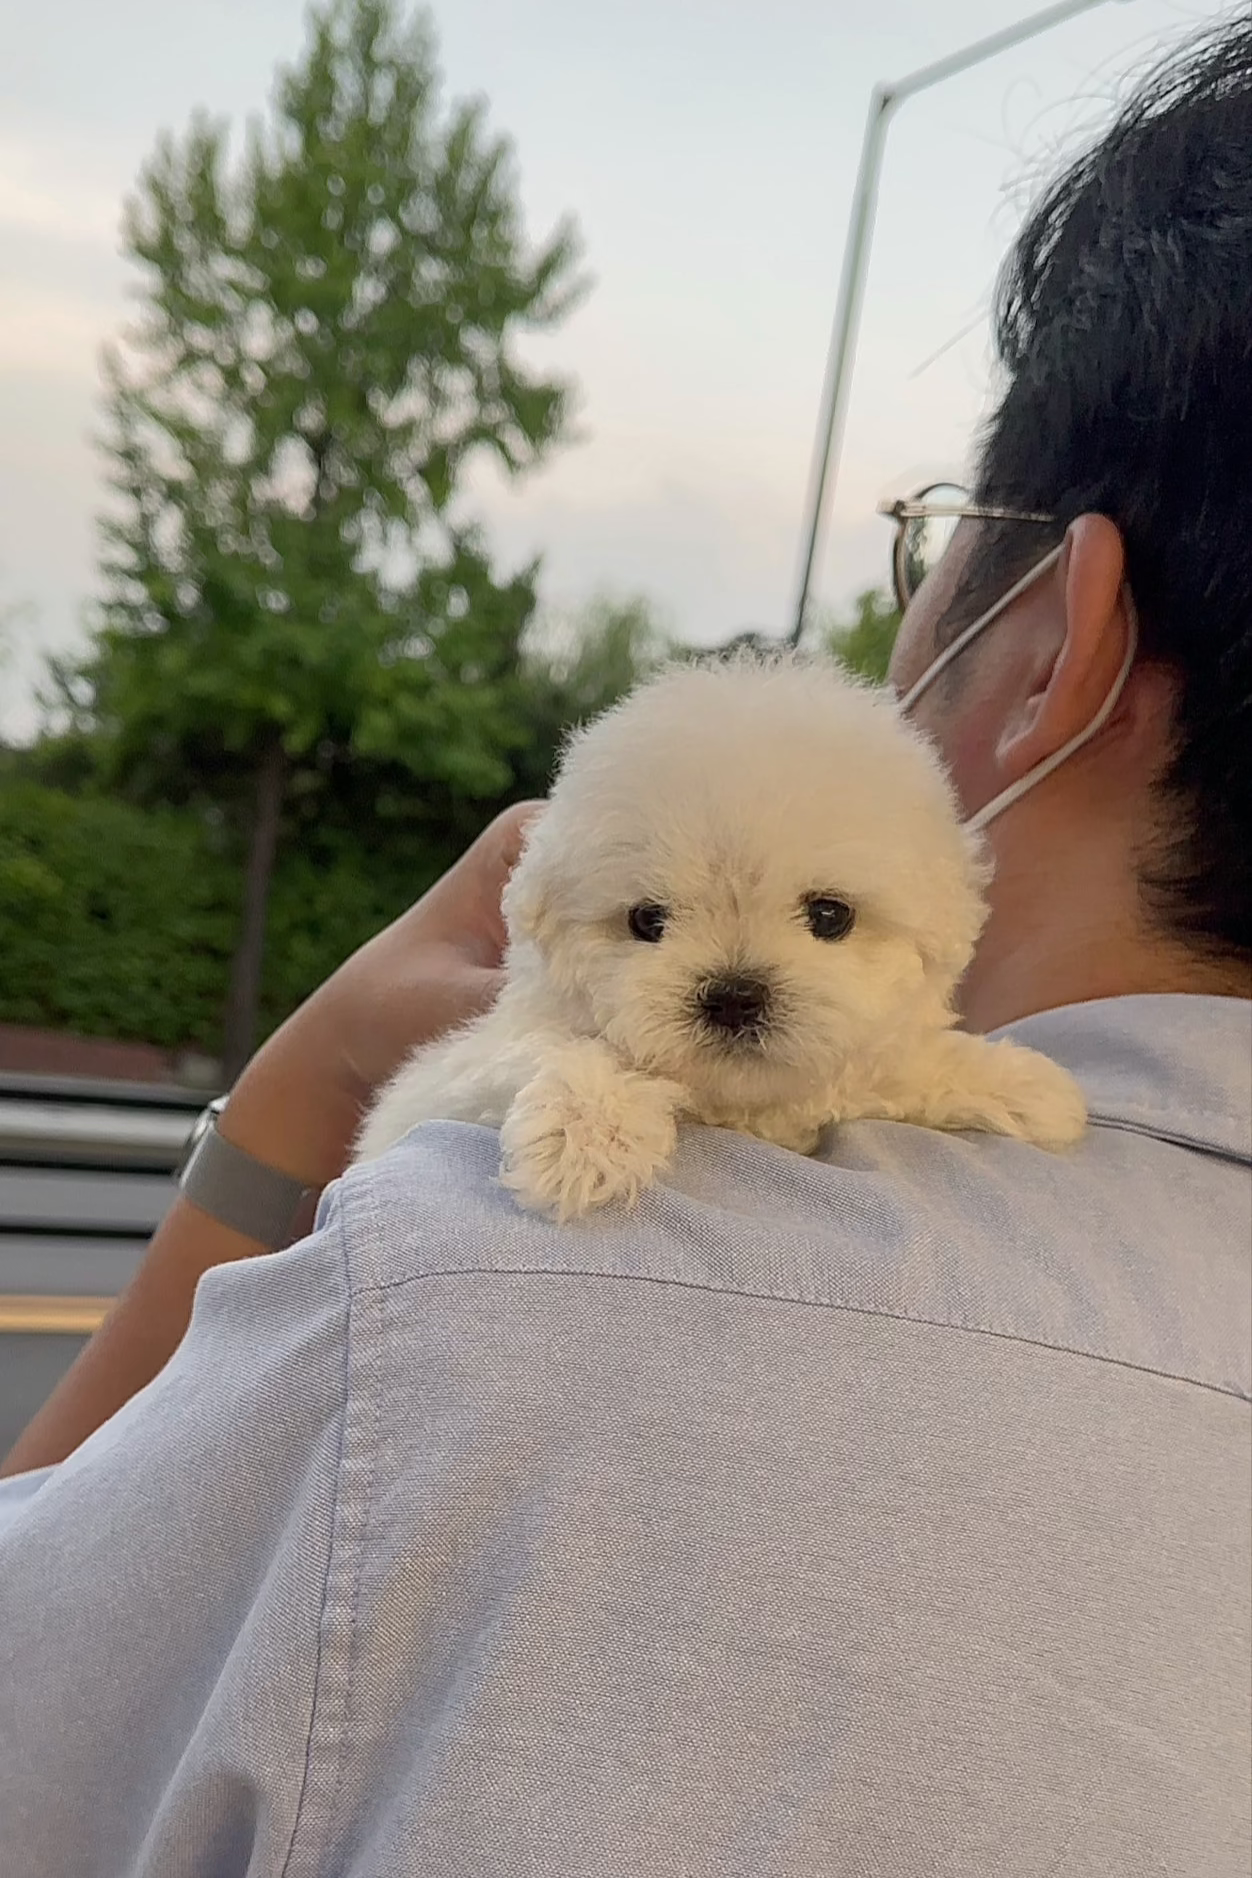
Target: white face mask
{"x":1017,"y":790}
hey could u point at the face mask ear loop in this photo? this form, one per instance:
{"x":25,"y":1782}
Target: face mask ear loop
{"x":1017,"y":790}
{"x":980,"y":625}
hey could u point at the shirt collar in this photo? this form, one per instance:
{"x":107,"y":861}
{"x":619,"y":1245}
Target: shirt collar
{"x":1173,"y":1065}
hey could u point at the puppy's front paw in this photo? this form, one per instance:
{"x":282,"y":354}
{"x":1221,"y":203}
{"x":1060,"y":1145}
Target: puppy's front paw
{"x":1007,"y":1089}
{"x":1040,"y":1101}
{"x":584,"y":1132}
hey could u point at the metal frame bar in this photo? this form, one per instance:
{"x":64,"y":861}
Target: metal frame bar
{"x":46,"y":1315}
{"x":884,"y":99}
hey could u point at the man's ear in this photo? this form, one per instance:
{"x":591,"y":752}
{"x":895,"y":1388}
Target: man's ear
{"x":1079,"y":661}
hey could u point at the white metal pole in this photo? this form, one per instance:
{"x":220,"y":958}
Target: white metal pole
{"x":843,"y":338}
{"x":883,"y":101}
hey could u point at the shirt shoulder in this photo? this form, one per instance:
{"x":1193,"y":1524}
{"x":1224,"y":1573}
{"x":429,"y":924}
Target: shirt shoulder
{"x":1128,"y":1248}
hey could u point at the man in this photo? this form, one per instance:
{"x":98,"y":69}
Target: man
{"x":880,"y":1514}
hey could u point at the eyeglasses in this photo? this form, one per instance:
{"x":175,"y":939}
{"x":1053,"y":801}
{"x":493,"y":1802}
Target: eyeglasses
{"x":925,"y":524}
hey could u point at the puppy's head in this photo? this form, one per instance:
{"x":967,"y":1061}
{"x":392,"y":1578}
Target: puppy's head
{"x":747,"y":873}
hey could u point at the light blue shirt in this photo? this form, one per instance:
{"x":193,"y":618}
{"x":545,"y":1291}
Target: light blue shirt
{"x":883,"y":1514}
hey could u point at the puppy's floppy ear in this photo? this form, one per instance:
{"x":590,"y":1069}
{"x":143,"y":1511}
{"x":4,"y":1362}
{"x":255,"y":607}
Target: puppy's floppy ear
{"x":527,"y":898}
{"x":957,"y":912}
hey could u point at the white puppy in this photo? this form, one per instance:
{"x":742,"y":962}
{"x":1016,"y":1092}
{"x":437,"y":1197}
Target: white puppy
{"x":748,"y":903}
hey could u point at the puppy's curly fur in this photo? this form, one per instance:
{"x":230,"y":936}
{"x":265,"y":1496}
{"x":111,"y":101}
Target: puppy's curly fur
{"x":748,"y":903}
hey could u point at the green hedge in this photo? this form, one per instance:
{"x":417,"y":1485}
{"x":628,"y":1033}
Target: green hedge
{"x":119,"y":921}
{"x":113,"y":922}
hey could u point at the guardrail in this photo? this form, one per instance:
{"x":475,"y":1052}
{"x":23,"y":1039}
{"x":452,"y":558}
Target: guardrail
{"x":89,"y":1133}
{"x":86,"y":1173}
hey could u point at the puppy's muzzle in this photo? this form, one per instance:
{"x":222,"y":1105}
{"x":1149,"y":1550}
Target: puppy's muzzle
{"x":734,"y":1007}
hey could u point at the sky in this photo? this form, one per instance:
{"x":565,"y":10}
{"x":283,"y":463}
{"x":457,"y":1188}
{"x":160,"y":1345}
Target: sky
{"x":707,"y":150}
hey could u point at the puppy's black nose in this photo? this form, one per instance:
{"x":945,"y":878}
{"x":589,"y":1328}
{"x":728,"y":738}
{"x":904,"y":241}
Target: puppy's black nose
{"x":734,"y":1004}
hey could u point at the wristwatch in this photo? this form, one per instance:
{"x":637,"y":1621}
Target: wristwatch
{"x":234,"y":1188}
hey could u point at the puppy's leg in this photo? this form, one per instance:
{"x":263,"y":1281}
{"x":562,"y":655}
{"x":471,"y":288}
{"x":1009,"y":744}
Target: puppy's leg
{"x":953,"y":1080}
{"x":585,"y":1131}
{"x":471,"y":1076}
{"x":792,"y":1125}
{"x":797,"y":1129}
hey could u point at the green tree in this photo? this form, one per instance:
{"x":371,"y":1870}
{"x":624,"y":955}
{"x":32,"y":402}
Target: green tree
{"x":114,"y":920}
{"x":864,"y":642}
{"x":15,"y":615}
{"x":328,"y":339}
{"x":118,"y":919}
{"x":578,"y":664}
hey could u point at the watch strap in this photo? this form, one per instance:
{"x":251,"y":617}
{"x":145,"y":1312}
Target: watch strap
{"x":237,"y":1190}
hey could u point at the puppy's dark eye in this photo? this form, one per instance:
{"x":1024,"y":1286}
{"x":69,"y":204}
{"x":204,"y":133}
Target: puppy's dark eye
{"x":647,"y":922}
{"x":828,"y":917}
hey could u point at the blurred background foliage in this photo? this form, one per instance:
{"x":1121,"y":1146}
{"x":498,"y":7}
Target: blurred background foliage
{"x":307,"y":686}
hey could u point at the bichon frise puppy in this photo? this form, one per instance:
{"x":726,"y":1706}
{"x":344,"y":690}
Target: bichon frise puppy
{"x":748,"y":903}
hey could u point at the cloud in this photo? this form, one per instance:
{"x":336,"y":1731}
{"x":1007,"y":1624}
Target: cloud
{"x":715,"y":555}
{"x":59,"y":276}
{"x":40,"y":193}
{"x":50,"y":331}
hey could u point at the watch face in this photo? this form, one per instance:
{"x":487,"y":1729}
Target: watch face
{"x":199,"y":1129}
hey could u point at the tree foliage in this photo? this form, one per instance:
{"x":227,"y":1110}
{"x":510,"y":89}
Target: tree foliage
{"x":119,"y":919}
{"x":864,"y":642}
{"x":114,"y":921}
{"x":576,"y":665}
{"x":329,"y":337}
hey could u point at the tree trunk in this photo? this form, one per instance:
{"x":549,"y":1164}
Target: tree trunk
{"x":244,"y":996}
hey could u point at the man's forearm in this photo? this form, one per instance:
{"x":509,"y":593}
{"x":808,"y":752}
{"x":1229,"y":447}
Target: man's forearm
{"x":136,"y":1339}
{"x":297,"y":1108}
{"x":149,"y":1320}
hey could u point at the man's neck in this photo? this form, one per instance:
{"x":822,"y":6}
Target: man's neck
{"x":1068,"y":936}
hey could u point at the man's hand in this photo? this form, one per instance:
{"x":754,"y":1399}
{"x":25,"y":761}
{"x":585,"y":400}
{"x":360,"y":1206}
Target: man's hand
{"x":299,"y":1103}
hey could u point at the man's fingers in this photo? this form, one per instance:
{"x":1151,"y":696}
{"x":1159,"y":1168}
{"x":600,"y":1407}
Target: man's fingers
{"x":453,"y":997}
{"x":502,"y":843}
{"x":511,"y":829}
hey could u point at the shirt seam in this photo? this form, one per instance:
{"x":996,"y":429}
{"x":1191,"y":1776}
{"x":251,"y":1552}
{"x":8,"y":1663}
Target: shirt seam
{"x":335,"y":1543}
{"x":1128,"y":1124}
{"x":1224,"y":1118}
{"x":370,"y":1446}
{"x":521,"y":1270}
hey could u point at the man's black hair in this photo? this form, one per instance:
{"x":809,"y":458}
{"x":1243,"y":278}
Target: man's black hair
{"x":1124,"y":323}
